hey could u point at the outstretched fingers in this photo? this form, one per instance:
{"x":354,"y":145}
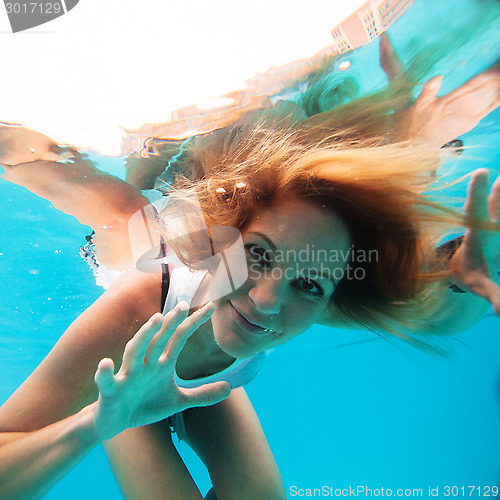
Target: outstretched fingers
{"x":430,"y":91}
{"x":486,"y":84}
{"x":161,"y":334}
{"x":476,"y":206}
{"x":173,"y":320}
{"x":105,"y":378}
{"x":389,"y":60}
{"x":494,"y":201}
{"x":136,"y":347}
{"x":480,"y":258}
{"x":184,"y":331}
{"x":476,"y":98}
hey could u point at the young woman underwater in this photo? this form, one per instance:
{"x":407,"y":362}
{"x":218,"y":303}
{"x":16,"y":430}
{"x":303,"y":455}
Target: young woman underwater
{"x":270,"y":184}
{"x":287,"y":188}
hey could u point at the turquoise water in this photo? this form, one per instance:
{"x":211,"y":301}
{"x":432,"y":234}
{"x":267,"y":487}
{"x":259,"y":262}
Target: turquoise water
{"x":340,"y":408}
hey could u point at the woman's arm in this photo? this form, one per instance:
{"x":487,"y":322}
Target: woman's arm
{"x":31,"y":463}
{"x":76,"y":187}
{"x":43,"y":434}
{"x":35,"y":451}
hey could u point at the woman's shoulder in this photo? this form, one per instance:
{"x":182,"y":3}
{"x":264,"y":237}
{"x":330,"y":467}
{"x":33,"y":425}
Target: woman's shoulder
{"x":136,"y":291}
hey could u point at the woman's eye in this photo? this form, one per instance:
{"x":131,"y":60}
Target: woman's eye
{"x":258,"y":255}
{"x":310,"y":287}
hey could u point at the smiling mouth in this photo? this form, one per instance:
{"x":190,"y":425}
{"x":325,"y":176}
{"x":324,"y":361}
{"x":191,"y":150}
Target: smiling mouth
{"x":247,"y":325}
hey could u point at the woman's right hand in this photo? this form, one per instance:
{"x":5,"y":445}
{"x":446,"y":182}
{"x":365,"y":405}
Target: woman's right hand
{"x":144,"y":389}
{"x":437,"y":120}
{"x":476,"y":263}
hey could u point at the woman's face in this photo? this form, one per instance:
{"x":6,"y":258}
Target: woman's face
{"x":296,"y":254}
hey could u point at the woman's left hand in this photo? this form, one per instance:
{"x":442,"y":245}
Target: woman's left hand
{"x":477,"y":261}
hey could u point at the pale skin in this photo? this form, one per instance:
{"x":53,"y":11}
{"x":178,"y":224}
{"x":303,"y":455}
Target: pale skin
{"x":106,"y":203}
{"x":436,"y":120}
{"x":61,"y":419}
{"x":477,"y":261}
{"x":59,"y":414}
{"x":69,"y":421}
{"x":62,"y":426}
{"x":46,"y":455}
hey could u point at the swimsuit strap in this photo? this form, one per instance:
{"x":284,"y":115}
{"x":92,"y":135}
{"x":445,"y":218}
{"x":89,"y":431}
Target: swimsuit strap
{"x":165,"y":275}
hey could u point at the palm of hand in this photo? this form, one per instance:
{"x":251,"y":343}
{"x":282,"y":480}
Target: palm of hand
{"x":142,"y":396}
{"x":144,"y":389}
{"x":437,"y":120}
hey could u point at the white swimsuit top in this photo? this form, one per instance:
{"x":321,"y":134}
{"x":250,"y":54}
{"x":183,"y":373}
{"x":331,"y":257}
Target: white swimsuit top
{"x":183,"y":285}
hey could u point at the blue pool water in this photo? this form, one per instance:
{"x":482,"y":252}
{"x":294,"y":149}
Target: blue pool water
{"x":340,"y":408}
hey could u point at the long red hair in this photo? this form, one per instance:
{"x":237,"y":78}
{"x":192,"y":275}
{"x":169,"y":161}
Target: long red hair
{"x":378,"y":190}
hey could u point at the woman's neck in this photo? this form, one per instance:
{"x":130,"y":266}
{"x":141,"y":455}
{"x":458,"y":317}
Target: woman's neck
{"x":201,"y":356}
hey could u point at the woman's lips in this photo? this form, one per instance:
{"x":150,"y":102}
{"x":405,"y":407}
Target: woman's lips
{"x":246,"y":325}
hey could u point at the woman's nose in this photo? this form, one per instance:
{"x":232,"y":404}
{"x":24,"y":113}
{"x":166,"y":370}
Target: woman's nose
{"x":268,"y":294}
